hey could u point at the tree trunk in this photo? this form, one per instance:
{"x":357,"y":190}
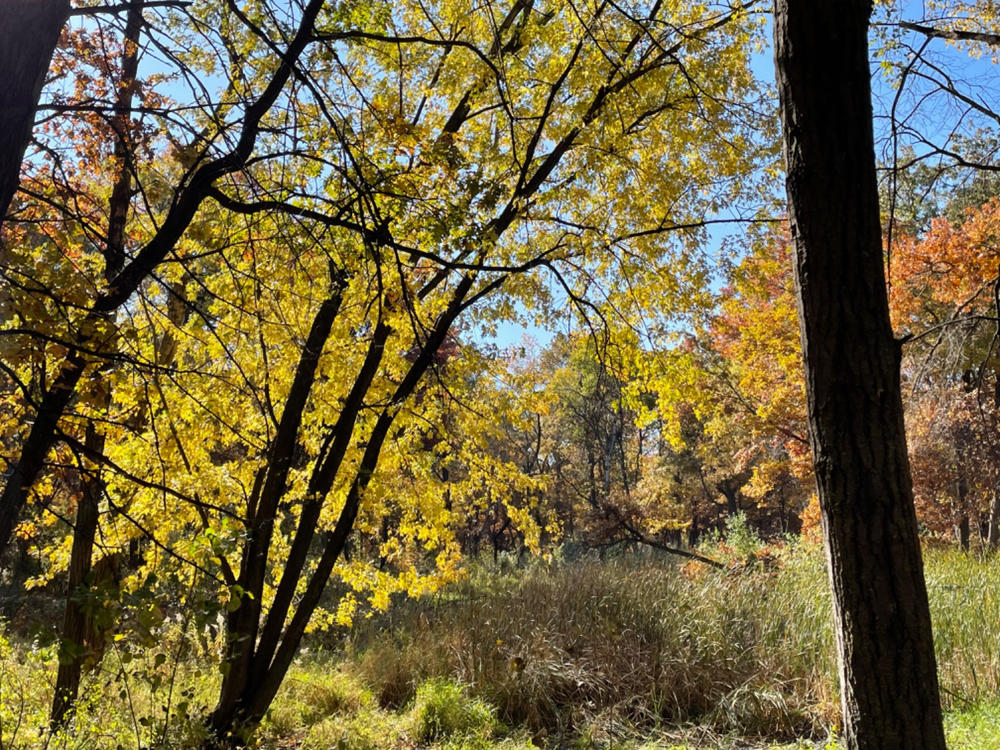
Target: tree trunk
{"x":962,"y":525}
{"x":29,"y":31}
{"x":732,"y":498}
{"x":73,"y":652}
{"x":888,"y":676}
{"x":993,"y":534}
{"x":256,"y":668}
{"x":78,"y":617}
{"x":962,"y":534}
{"x":782,"y":511}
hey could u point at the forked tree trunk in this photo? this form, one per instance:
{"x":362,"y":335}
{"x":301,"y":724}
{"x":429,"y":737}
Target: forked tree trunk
{"x":260,"y":648}
{"x":888,"y":678}
{"x":29,"y":30}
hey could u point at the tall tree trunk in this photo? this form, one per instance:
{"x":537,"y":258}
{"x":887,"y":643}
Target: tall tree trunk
{"x":78,"y":618}
{"x":29,"y":31}
{"x":962,"y":525}
{"x":888,"y":676}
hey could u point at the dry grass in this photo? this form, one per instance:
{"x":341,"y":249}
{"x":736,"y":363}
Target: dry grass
{"x":619,"y":648}
{"x":588,"y":655}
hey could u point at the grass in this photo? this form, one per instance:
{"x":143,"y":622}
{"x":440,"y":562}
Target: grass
{"x":612,"y":649}
{"x":975,"y":728}
{"x":443,"y":710}
{"x":628,"y":653}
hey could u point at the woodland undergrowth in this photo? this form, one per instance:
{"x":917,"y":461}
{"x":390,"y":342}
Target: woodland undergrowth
{"x":628,"y":651}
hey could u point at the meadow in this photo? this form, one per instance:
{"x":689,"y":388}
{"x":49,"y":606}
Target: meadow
{"x":631,"y":651}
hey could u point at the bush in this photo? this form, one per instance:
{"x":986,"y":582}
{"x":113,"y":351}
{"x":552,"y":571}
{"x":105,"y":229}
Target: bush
{"x":443,"y":710}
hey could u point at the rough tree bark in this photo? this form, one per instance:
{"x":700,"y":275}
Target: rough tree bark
{"x":889,"y":686}
{"x":29,"y":30}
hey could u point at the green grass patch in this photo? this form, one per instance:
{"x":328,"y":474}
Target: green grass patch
{"x":975,"y":728}
{"x":443,"y":710}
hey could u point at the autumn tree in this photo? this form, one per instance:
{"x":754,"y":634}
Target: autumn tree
{"x":77,"y":621}
{"x":362,"y":180}
{"x":87,"y":330}
{"x":755,"y":379}
{"x":944,"y":297}
{"x":458,"y":133}
{"x":584,"y":419}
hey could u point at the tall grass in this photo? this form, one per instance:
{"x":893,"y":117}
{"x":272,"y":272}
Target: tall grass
{"x":964,"y":591}
{"x":636,"y":645}
{"x":588,"y":654}
{"x":632,"y":645}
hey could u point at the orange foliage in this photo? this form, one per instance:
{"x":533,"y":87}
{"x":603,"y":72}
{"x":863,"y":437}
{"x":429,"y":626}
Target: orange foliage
{"x":812,"y":524}
{"x":949,"y":269}
{"x":943,"y":293}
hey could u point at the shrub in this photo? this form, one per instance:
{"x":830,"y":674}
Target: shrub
{"x":443,"y":709}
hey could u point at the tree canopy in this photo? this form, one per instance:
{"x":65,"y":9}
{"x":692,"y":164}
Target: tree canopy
{"x":258,"y":255}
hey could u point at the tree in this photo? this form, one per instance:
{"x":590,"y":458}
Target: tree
{"x":29,"y":30}
{"x":366,"y":178}
{"x":88,"y":330}
{"x":449,"y":203}
{"x":885,"y":646}
{"x":945,"y":294}
{"x":732,"y":393}
{"x":77,"y":620}
{"x":608,"y":474}
{"x":756,"y":379}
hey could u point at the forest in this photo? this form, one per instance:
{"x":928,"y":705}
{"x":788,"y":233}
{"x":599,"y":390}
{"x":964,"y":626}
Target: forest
{"x":500,"y":374}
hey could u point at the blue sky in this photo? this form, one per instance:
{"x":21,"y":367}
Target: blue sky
{"x":928,"y":119}
{"x":925,"y":117}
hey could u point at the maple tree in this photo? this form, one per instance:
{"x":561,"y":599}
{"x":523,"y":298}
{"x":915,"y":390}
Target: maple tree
{"x":253,"y":347}
{"x":944,"y":295}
